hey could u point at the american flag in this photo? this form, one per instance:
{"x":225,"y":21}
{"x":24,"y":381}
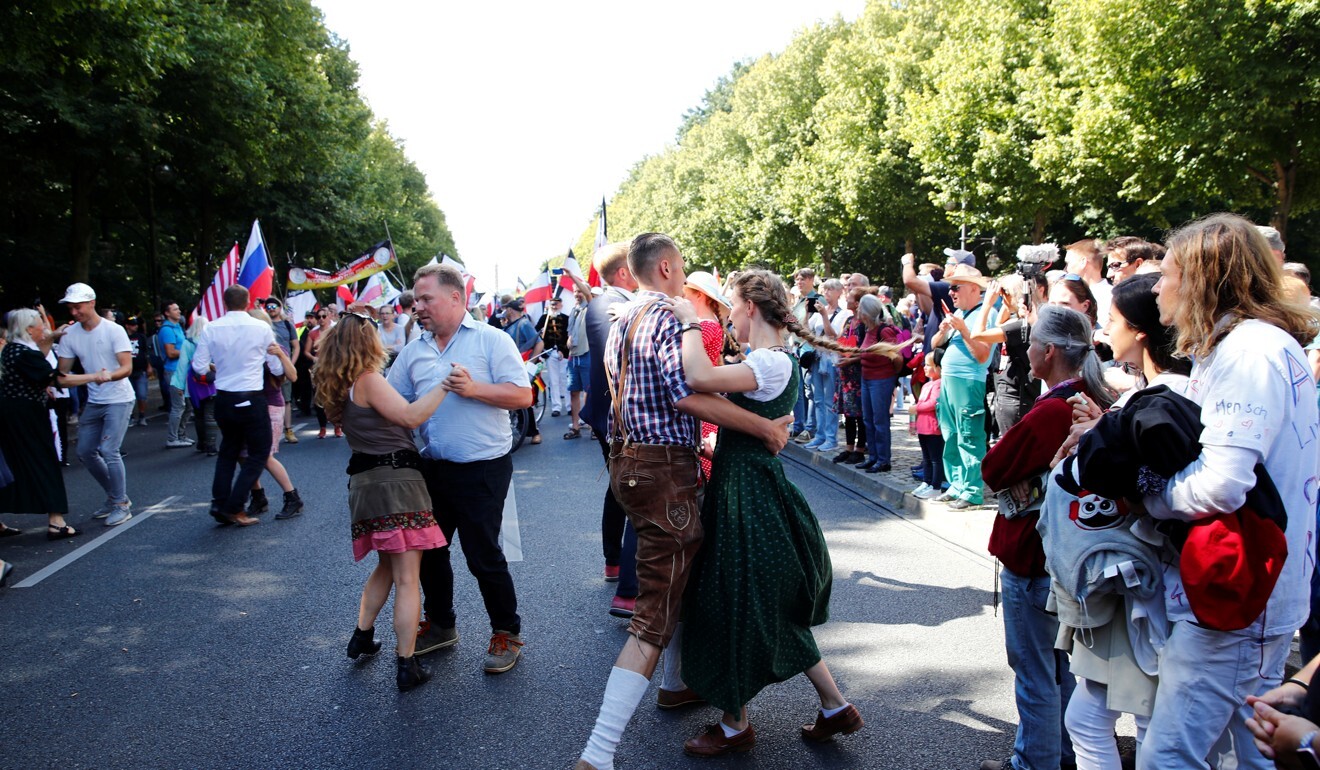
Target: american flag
{"x":213,"y":301}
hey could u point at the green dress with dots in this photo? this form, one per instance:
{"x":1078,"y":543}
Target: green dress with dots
{"x":763,"y":576}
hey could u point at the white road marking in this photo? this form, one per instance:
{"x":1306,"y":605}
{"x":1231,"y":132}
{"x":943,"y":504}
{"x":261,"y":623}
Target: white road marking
{"x":298,"y":426}
{"x":70,"y":558}
{"x":510,"y":537}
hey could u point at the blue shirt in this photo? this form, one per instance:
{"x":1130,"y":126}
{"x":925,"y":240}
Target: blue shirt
{"x":462,"y":430}
{"x":523,"y":334}
{"x":958,"y":359}
{"x":170,"y":333}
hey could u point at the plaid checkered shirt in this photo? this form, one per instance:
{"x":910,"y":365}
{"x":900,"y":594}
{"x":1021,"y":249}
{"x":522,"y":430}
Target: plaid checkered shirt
{"x":655,"y":382}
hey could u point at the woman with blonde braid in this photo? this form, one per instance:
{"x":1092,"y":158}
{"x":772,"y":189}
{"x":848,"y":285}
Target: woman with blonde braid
{"x":762,"y":578}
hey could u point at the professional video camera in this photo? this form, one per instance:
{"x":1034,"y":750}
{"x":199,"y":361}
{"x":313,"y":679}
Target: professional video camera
{"x":1034,"y":259}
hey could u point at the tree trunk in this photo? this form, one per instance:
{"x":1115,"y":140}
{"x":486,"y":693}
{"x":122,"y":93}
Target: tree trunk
{"x":827,"y":261}
{"x":80,"y":220}
{"x":202,"y":253}
{"x":1038,"y":229}
{"x":909,"y":245}
{"x":1285,"y":183}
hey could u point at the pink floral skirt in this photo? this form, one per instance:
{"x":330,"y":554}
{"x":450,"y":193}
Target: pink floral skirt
{"x":401,"y":532}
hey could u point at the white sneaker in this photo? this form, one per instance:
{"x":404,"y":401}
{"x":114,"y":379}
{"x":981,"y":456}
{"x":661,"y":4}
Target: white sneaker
{"x":121,"y":514}
{"x":921,"y":490}
{"x":178,"y":443}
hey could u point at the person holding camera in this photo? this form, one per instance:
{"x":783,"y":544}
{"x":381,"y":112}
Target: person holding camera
{"x":826,"y":319}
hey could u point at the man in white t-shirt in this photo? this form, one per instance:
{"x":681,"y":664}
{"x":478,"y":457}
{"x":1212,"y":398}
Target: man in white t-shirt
{"x":100,"y":344}
{"x":1222,"y":289}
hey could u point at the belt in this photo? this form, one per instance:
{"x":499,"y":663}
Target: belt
{"x":670,"y":453}
{"x":361,"y":462}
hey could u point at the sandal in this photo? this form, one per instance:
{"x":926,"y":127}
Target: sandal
{"x":59,"y":533}
{"x":536,"y":439}
{"x":573,"y":433}
{"x":7,"y":531}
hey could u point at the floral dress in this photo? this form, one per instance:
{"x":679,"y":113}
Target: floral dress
{"x":848,"y":395}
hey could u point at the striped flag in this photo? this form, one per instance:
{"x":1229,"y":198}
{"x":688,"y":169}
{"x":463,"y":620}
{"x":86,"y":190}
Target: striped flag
{"x":213,"y":301}
{"x":602,"y":239}
{"x":379,"y":292}
{"x":255,"y":271}
{"x":535,"y":298}
{"x":300,"y":304}
{"x":469,"y":281}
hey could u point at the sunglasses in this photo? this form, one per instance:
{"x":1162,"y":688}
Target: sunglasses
{"x":322,"y":315}
{"x":954,"y":288}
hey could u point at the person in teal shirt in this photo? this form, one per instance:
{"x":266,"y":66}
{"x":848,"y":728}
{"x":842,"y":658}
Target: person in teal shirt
{"x":961,"y":404}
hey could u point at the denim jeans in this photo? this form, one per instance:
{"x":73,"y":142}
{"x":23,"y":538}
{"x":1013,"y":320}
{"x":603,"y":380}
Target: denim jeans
{"x":802,"y":408}
{"x":101,"y":431}
{"x":824,"y":378}
{"x":876,"y":395}
{"x":1200,"y":705}
{"x":1041,"y":680}
{"x":180,"y":407}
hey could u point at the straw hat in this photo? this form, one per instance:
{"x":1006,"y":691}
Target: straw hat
{"x":706,"y":284}
{"x":966,"y":274}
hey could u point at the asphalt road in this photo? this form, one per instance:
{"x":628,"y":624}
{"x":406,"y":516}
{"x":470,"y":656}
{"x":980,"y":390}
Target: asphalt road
{"x":171,"y":642}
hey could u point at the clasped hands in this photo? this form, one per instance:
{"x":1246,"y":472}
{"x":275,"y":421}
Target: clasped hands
{"x":459,"y":381}
{"x":1084,"y":417}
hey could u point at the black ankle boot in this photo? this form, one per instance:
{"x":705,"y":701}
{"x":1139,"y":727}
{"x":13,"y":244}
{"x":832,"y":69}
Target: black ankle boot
{"x":293,"y":505}
{"x":258,"y":503}
{"x":363,"y":643}
{"x":411,"y":673}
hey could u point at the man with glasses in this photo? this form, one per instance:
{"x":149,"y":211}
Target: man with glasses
{"x":933,"y":295}
{"x":231,"y":351}
{"x":1124,"y":257}
{"x":961,"y":405}
{"x":287,"y":337}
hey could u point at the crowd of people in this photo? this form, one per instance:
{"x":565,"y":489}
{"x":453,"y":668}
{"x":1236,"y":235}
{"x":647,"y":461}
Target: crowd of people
{"x":1143,"y":420}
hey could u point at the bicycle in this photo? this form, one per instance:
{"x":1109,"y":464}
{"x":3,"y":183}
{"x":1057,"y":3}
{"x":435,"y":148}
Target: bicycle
{"x":520,"y":419}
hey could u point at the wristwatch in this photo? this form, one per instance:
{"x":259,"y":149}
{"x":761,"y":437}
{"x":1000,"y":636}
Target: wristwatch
{"x":1306,"y":756}
{"x":689,"y":327}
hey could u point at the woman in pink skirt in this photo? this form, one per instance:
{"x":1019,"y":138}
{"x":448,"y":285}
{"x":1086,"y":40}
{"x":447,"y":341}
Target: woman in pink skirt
{"x":390,"y":507}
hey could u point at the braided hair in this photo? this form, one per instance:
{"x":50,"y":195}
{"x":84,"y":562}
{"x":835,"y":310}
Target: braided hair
{"x":766,"y":291}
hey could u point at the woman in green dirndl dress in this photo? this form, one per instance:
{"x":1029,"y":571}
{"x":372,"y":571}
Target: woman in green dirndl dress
{"x":763,"y":576}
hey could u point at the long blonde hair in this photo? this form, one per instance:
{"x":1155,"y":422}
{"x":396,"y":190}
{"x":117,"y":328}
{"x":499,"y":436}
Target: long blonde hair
{"x":1228,"y":269}
{"x":766,"y":291}
{"x":349,"y":350}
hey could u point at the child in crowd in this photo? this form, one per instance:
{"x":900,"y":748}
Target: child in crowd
{"x":926,"y":427}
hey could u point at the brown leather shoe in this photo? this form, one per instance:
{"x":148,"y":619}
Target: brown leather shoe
{"x":243,"y":520}
{"x":847,"y":721}
{"x":583,"y":764}
{"x":673,"y":699}
{"x":713,"y":743}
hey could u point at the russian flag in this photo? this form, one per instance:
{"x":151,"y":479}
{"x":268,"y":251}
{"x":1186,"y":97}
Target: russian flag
{"x":255,"y":272}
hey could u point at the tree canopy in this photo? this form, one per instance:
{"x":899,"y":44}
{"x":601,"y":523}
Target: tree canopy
{"x":141,"y":139}
{"x":1022,"y":120}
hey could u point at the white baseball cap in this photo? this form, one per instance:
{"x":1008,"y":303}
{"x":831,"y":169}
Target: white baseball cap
{"x":78,"y":292}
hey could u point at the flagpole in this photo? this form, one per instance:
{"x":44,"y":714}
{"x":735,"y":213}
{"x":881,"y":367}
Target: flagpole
{"x":398,"y":269}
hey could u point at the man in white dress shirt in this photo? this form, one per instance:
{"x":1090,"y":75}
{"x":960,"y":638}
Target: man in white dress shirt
{"x":234,"y":347}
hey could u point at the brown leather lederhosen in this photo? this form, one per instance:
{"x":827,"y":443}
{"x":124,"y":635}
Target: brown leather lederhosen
{"x":658,"y":486}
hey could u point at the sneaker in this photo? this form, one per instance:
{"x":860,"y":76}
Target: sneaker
{"x":289,"y":437}
{"x":178,"y":443}
{"x":611,"y":573}
{"x":814,"y":443}
{"x":921,"y":490}
{"x":119,"y":515}
{"x":431,"y":638}
{"x":998,"y":764}
{"x":622,"y":606}
{"x":802,"y":437}
{"x":929,"y":493}
{"x":339,"y":432}
{"x":503,"y":652}
{"x":828,"y":447}
{"x":554,"y":412}
{"x":106,"y":509}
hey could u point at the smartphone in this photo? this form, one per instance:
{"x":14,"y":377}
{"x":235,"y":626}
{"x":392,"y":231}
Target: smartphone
{"x":811,"y":305}
{"x":556,"y":271}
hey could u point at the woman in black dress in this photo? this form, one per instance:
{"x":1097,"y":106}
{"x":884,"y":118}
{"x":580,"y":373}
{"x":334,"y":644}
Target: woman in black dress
{"x":27,"y":437}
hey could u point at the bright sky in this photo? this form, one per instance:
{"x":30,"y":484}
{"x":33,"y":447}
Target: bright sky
{"x":523,"y":114}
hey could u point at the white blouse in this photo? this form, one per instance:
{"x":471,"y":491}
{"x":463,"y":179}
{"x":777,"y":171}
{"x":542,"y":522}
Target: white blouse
{"x":773,"y":370}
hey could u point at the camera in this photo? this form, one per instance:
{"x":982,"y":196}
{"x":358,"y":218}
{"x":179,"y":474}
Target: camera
{"x":1034,"y":259}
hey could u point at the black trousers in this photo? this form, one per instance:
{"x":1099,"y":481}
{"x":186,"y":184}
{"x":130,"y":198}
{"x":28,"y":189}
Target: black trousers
{"x":618,"y":538}
{"x":244,"y":424}
{"x":469,"y":498}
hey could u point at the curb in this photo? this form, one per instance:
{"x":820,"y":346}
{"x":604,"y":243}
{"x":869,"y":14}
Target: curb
{"x":883,"y":487}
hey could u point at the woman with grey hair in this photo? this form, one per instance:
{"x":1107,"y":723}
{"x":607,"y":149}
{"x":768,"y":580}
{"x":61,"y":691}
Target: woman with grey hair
{"x":27,"y":435}
{"x":1062,"y":356}
{"x":879,"y":377}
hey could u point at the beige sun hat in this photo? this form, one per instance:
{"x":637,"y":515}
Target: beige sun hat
{"x":706,"y":284}
{"x":966,"y":274}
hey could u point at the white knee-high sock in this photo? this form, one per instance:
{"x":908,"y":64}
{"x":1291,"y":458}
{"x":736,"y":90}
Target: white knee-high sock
{"x":623,"y":692}
{"x":672,"y":677}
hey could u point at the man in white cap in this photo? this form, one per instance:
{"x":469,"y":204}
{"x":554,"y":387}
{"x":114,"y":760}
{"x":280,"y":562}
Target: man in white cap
{"x":98,"y":345}
{"x":961,"y":405}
